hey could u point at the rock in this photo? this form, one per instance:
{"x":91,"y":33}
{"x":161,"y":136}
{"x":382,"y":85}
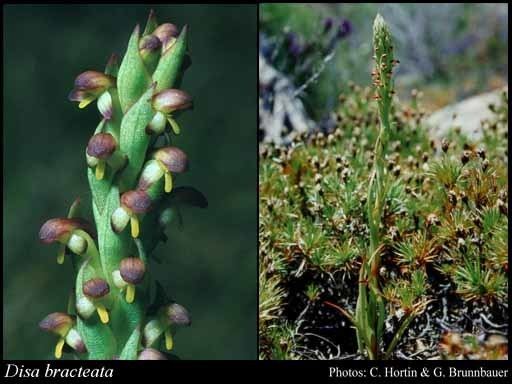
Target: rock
{"x":286,"y":115}
{"x":466,"y":114}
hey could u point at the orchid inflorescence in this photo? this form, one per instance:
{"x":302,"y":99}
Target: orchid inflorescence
{"x":116,"y":310}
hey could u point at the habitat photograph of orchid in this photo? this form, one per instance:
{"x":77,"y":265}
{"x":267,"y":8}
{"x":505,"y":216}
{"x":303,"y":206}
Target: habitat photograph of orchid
{"x":383,"y":181}
{"x":129,"y":199}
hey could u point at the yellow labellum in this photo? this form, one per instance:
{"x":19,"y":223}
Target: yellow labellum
{"x":84,"y":103}
{"x":60,"y":255}
{"x":130,"y":293}
{"x":134,"y":221}
{"x":58,"y":348}
{"x":100,"y":170}
{"x":102,"y":313}
{"x":174,"y":125}
{"x":168,"y":339}
{"x":168,"y":182}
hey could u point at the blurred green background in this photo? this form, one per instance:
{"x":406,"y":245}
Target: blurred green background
{"x":449,"y":51}
{"x":210,"y":267}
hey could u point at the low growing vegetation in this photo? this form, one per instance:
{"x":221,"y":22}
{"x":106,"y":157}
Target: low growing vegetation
{"x":432,"y":264}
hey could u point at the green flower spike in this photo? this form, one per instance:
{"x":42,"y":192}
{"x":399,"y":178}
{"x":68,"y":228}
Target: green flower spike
{"x":165,"y":103}
{"x":89,"y":86}
{"x":68,"y":232}
{"x":370,"y":310}
{"x":102,"y":150}
{"x":130,"y":273}
{"x":62,"y":325}
{"x":96,"y":291}
{"x":133,"y":203}
{"x":136,"y":97}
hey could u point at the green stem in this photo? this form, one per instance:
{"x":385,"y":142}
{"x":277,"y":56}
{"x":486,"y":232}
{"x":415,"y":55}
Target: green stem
{"x":398,"y":336}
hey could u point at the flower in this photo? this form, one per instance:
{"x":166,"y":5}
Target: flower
{"x":165,"y":103}
{"x":166,"y":160}
{"x":133,"y":203}
{"x":328,"y":22}
{"x":344,"y":29}
{"x":131,"y":272}
{"x":94,"y":290}
{"x":169,"y":317}
{"x":90,"y":85}
{"x":68,"y":232}
{"x":62,"y":325}
{"x":102,"y":150}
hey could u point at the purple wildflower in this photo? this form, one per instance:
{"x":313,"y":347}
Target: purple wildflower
{"x":328,"y":22}
{"x":344,"y":29}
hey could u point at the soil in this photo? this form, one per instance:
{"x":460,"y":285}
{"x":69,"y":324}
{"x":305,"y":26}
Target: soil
{"x":327,"y":334}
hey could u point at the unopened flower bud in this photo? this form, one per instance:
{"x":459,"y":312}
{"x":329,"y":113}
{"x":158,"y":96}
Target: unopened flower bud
{"x":167,"y":34}
{"x":149,"y":44}
{"x":170,"y":100}
{"x":149,"y":49}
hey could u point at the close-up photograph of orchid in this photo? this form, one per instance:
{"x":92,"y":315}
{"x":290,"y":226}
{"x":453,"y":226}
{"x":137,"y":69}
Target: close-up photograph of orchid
{"x":125,"y":237}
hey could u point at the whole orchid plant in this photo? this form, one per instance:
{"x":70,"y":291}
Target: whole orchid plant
{"x":116,"y":310}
